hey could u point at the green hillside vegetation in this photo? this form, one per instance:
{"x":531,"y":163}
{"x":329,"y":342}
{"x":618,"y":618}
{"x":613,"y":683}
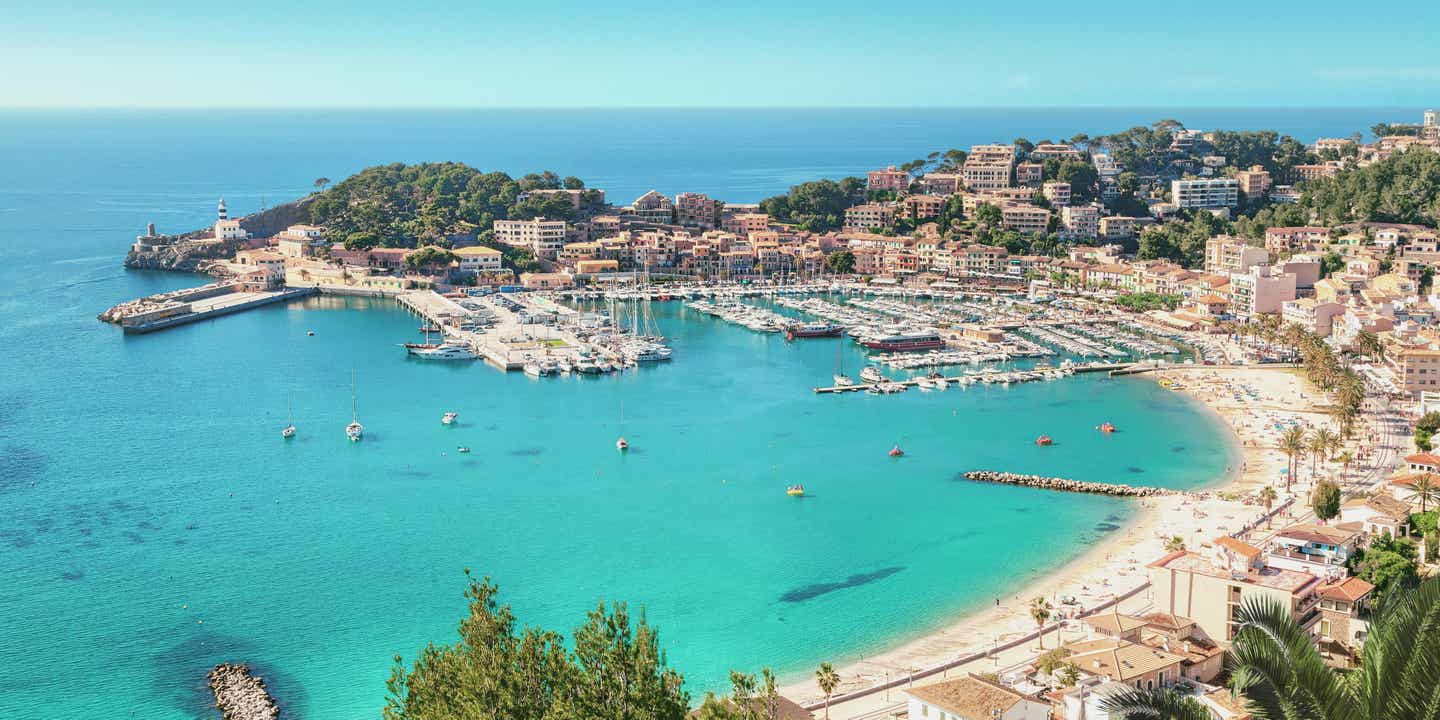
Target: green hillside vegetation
{"x":1403,"y":188}
{"x":406,"y":206}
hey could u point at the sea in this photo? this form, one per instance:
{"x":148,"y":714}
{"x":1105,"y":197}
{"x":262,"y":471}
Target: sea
{"x":153,"y":523}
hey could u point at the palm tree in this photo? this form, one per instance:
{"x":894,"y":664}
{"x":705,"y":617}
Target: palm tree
{"x":1268,"y":496}
{"x":1426,"y":491}
{"x":1276,"y":667}
{"x":1322,"y":442}
{"x":1292,"y":443}
{"x":1040,"y":610}
{"x":1345,"y":459}
{"x":828,"y":680}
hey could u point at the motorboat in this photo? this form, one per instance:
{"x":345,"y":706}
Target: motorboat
{"x":795,"y":491}
{"x":905,"y":341}
{"x":896,"y":452}
{"x":871,"y":374}
{"x":844,"y":381}
{"x":449,"y":418}
{"x":443,"y":351}
{"x":462,"y":449}
{"x":622,"y":444}
{"x":1044,"y":441}
{"x":1106,"y":428}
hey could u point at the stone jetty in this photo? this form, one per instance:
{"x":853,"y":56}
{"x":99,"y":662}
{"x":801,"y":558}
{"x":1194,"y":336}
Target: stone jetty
{"x":241,"y":695}
{"x":1066,"y":484}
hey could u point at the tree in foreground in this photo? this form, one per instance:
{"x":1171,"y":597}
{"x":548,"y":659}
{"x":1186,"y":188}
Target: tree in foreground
{"x":1040,"y":611}
{"x":827,"y":679}
{"x":1277,"y":671}
{"x":1325,"y":500}
{"x":498,"y":672}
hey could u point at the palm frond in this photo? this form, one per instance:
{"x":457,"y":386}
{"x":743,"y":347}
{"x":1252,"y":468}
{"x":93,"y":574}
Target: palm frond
{"x":1161,"y":704}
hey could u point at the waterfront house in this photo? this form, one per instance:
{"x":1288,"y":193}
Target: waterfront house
{"x":1377,"y":516}
{"x":1423,"y":462}
{"x":545,"y":281}
{"x":973,"y":698}
{"x":1317,"y":549}
{"x":1402,"y":487}
{"x":477,"y":259}
{"x":1129,"y":663}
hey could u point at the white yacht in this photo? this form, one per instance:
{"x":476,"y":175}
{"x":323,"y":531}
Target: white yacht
{"x":449,"y":418}
{"x":533,"y":369}
{"x":444,"y":351}
{"x":844,"y":381}
{"x":871,"y":374}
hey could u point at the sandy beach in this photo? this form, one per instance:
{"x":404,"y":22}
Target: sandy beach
{"x":1257,"y":404}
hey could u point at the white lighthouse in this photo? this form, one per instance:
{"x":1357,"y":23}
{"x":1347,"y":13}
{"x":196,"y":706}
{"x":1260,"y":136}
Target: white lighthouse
{"x":225,"y":228}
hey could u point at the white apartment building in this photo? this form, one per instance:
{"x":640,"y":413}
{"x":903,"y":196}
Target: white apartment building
{"x":1080,"y":221}
{"x":544,"y":237}
{"x":1205,"y":194}
{"x":1058,"y":193}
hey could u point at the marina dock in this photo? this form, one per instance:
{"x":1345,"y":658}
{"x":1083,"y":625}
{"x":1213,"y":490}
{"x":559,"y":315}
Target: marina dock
{"x":983,"y":378}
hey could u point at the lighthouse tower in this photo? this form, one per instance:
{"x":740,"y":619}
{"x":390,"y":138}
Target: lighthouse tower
{"x":225,"y":228}
{"x":220,"y":212}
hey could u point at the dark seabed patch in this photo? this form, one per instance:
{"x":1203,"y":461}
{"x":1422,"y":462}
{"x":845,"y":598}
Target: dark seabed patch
{"x":407,"y":472}
{"x":527,"y":452}
{"x":470,"y":463}
{"x":17,"y":540}
{"x":1106,"y":527}
{"x":806,"y":592}
{"x":19,"y":467}
{"x":492,"y":428}
{"x":192,"y":526}
{"x":134,"y":537}
{"x":147,"y":525}
{"x":72,"y":575}
{"x":180,"y":541}
{"x":1135,"y":469}
{"x":1177,"y":448}
{"x":90,"y":544}
{"x":1112,"y":517}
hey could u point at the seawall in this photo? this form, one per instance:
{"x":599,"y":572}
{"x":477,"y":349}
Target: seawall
{"x":241,"y":695}
{"x":1066,"y":484}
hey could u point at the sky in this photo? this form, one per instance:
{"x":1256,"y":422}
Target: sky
{"x":556,"y":53}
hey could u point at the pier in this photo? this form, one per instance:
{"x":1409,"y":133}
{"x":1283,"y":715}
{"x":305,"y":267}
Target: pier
{"x":241,"y":695}
{"x":181,"y":307}
{"x":1066,"y":484}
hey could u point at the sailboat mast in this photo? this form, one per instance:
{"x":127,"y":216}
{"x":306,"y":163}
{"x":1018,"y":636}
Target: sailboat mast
{"x":354,"y":409}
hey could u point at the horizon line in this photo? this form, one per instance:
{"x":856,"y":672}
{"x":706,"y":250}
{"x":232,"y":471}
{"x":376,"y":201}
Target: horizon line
{"x":511,"y":108}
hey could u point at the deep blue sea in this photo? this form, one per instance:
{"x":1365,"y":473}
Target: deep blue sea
{"x":152,"y":522}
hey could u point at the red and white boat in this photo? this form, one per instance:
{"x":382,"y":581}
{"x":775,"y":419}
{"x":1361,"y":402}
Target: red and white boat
{"x":905,"y":341}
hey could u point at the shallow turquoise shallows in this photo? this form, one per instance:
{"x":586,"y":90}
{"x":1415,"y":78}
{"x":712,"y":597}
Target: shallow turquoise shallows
{"x":153,"y":522}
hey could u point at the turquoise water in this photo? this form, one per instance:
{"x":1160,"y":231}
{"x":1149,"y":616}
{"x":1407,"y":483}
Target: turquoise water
{"x":154,"y":523}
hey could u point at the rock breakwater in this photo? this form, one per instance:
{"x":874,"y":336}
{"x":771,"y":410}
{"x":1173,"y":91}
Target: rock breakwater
{"x":241,"y":695}
{"x":1066,"y":484}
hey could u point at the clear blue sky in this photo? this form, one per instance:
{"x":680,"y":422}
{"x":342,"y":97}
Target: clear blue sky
{"x":550,"y":53}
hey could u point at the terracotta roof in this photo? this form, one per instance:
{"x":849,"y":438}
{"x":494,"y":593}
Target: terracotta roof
{"x":1120,"y":659}
{"x":1390,"y":506}
{"x":1114,"y":622}
{"x":1348,"y":590}
{"x":1169,"y":621}
{"x":969,"y":697}
{"x":1409,"y":479}
{"x":1311,"y":532}
{"x":1237,"y":547}
{"x":1423,"y":458}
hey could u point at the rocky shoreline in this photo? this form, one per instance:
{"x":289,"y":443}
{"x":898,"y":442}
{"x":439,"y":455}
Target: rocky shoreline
{"x":241,"y":695}
{"x":1066,"y":484}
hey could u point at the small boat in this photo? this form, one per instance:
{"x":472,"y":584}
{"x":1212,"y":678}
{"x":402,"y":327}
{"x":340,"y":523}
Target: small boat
{"x":354,"y":430}
{"x":449,"y":418}
{"x":871,"y":374}
{"x":442,"y":351}
{"x":533,"y":369}
{"x":844,"y":381}
{"x":427,"y":329}
{"x":896,"y":451}
{"x":462,"y":449}
{"x":310,"y":333}
{"x":1106,"y":427}
{"x":622,"y":444}
{"x":289,"y":430}
{"x":795,"y":491}
{"x":1043,"y":440}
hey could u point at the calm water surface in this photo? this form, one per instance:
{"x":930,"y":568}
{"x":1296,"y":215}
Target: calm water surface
{"x":152,"y":522}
